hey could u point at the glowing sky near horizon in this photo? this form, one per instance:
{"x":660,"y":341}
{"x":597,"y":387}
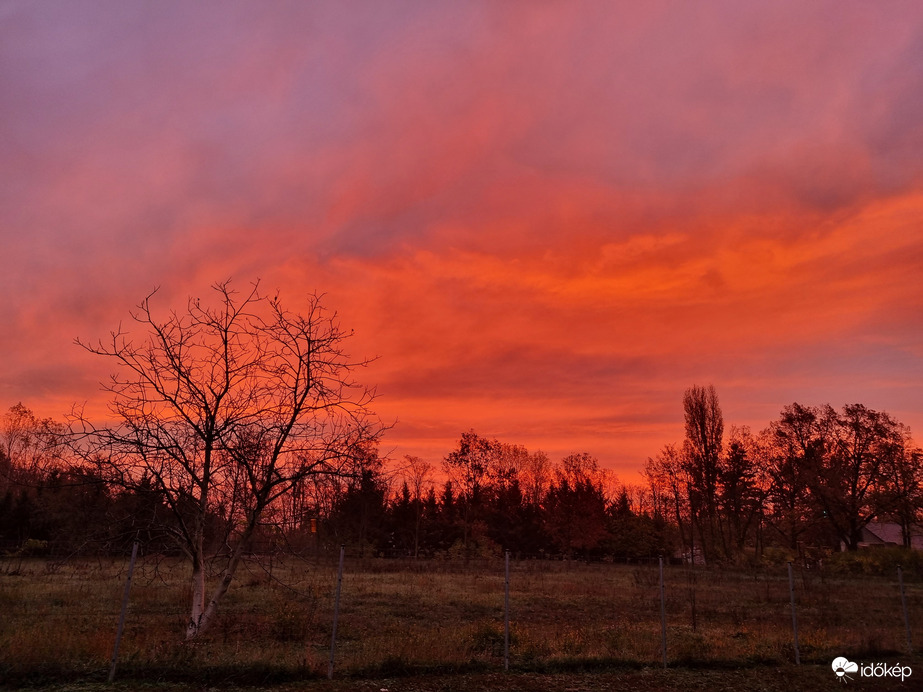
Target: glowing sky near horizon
{"x":547,"y":219}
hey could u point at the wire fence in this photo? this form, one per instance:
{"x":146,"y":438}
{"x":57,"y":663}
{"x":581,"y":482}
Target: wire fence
{"x":342,"y":614}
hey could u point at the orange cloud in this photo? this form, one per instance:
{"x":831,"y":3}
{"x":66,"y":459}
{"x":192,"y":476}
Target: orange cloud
{"x":547,"y":220}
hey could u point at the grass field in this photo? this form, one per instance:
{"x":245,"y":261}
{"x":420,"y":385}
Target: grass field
{"x":439,"y":625}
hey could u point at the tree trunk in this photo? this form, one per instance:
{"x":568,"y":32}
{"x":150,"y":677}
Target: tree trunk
{"x":227,"y":577}
{"x":203,"y":615}
{"x":855,"y":537}
{"x":906,"y":535}
{"x":198,"y":592}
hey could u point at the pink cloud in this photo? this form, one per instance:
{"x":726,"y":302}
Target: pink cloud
{"x":547,"y":219}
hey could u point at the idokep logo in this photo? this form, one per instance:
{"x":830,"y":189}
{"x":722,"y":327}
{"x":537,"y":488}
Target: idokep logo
{"x":843,"y":667}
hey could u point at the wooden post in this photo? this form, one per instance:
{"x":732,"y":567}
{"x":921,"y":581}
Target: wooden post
{"x":121,"y":627}
{"x":900,"y":581}
{"x":791,"y":589}
{"x":336,"y":613}
{"x":506,"y":617}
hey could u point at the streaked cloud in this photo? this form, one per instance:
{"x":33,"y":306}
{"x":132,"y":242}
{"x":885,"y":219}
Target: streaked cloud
{"x":547,"y":219}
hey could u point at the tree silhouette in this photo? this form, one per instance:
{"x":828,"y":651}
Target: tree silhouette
{"x":702,"y":456}
{"x":576,"y":506}
{"x":223,"y":408}
{"x":472,"y":467}
{"x":852,"y":472}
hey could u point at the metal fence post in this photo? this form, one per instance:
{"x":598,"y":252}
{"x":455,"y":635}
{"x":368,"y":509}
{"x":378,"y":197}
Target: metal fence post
{"x":663,"y":617}
{"x":121,"y":627}
{"x":506,"y":617}
{"x":336,"y":613}
{"x":900,"y":580}
{"x":791,"y":589}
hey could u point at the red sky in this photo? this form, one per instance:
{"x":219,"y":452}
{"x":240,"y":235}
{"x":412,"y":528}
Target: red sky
{"x":547,"y":219}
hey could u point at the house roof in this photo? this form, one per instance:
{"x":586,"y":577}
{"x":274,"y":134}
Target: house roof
{"x":882,"y":532}
{"x":889,"y":533}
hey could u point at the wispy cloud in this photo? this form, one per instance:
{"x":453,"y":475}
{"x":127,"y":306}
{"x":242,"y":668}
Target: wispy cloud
{"x":548,"y":219}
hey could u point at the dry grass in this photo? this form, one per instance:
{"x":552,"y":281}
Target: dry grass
{"x":432,"y":617}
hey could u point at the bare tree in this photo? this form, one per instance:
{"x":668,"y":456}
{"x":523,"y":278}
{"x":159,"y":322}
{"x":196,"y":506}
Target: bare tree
{"x":418,"y":475}
{"x":29,"y":446}
{"x":853,"y":475}
{"x":471,"y":468}
{"x":536,"y":477}
{"x":902,"y":498}
{"x":668,"y":482}
{"x":842,"y":469}
{"x":702,"y":452}
{"x":797,"y":443}
{"x":222,"y":409}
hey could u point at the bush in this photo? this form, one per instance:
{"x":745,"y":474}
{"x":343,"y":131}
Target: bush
{"x":32,"y":547}
{"x":879,"y":562}
{"x":777,"y":556}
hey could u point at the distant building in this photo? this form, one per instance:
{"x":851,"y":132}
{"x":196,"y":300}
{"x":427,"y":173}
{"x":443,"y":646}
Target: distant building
{"x":886,"y":534}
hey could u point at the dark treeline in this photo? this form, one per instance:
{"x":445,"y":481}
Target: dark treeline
{"x":495,"y":496}
{"x":810,"y":481}
{"x":51,"y":503}
{"x":498,"y":496}
{"x":813,"y":479}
